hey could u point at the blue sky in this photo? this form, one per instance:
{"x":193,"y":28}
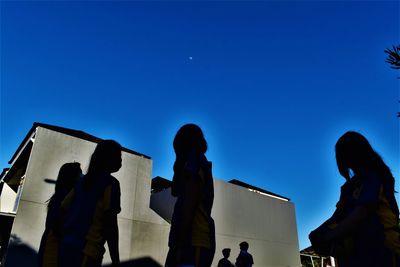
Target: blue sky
{"x":272,"y":84}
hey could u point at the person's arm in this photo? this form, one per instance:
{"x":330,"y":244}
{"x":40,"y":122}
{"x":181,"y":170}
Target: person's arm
{"x":366,"y":204}
{"x":345,"y":227}
{"x":317,"y":236}
{"x":112,"y":237}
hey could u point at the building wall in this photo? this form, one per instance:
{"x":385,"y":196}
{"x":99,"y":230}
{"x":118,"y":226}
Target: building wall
{"x":266,"y":223}
{"x":7,"y":199}
{"x":137,"y":221}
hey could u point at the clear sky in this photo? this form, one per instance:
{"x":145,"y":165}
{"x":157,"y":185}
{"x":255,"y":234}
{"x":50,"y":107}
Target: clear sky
{"x":272,"y":84}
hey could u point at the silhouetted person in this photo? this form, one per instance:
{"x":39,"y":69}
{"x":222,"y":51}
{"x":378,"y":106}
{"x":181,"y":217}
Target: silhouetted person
{"x":363,"y":231}
{"x":91,"y":210}
{"x":224,"y":262}
{"x":244,"y":259}
{"x":68,"y":175}
{"x":192,"y":234}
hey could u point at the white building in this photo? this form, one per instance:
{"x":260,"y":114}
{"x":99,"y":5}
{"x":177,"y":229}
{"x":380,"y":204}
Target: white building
{"x":241,"y":212}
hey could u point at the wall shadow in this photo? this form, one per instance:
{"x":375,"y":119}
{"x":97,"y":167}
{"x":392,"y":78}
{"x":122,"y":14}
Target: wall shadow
{"x":140,"y":262}
{"x":20,"y":254}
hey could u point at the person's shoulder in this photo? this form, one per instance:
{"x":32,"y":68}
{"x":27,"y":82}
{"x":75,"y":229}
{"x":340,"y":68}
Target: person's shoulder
{"x":221,"y":262}
{"x":114,"y":180}
{"x":111,"y":180}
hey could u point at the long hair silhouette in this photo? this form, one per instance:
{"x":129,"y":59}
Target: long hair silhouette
{"x":188,"y":140}
{"x":354,"y":154}
{"x":66,"y":179}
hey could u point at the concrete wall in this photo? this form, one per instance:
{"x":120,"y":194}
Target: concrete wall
{"x":7,"y":199}
{"x":140,"y":227}
{"x":266,"y":223}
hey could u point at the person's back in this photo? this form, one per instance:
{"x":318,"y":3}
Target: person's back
{"x":363,"y":231}
{"x":377,"y":235}
{"x":90,"y":211}
{"x":244,"y":258}
{"x":84,"y":223}
{"x":67,"y":177}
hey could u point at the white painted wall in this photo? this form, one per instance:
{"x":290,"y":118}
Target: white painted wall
{"x":7,"y":199}
{"x":140,"y":228}
{"x":266,"y":223}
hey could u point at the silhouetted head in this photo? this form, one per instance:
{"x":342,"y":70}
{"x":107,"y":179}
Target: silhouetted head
{"x":226,"y":252}
{"x":106,"y":158}
{"x":355,"y":154}
{"x":67,"y":176}
{"x":189,"y":138}
{"x":244,"y":246}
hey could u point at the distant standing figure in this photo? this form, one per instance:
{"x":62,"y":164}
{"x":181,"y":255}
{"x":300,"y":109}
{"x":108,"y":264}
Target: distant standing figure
{"x":224,"y":262}
{"x":364,"y":230}
{"x":90,"y":211}
{"x":244,"y":259}
{"x":192,"y":234}
{"x":68,"y":175}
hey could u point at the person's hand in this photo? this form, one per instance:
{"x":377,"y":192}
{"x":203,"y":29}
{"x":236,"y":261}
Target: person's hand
{"x":316,"y":237}
{"x":320,"y":241}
